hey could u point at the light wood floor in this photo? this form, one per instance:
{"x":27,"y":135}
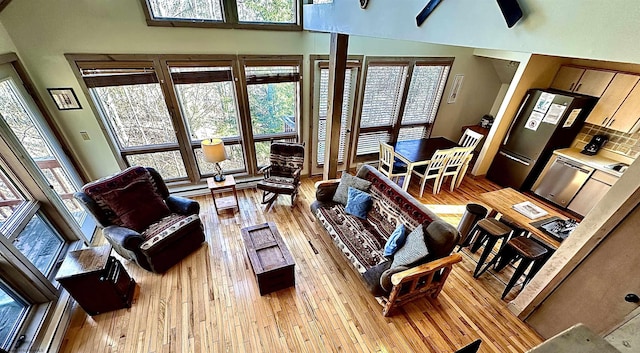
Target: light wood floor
{"x":210,"y":301}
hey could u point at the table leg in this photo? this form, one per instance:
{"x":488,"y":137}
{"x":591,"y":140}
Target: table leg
{"x":235,"y":194}
{"x":213,"y":196}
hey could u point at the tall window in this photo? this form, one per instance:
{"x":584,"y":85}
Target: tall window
{"x":273,"y":93}
{"x":161,"y":123}
{"x":30,"y":247}
{"x":132,"y":104}
{"x":321,"y":107}
{"x":251,"y":14}
{"x":400,"y":100}
{"x":208,"y":103}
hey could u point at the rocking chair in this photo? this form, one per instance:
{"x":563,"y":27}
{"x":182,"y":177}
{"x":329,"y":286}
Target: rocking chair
{"x":282,"y":176}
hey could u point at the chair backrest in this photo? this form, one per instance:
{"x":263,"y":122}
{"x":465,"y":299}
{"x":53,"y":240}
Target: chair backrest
{"x":470,"y":138}
{"x":286,"y":157}
{"x":437,"y":162}
{"x":93,"y":194}
{"x":457,"y":158}
{"x":386,"y":159}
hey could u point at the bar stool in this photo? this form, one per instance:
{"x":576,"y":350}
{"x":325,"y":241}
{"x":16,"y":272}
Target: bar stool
{"x":529,"y":251}
{"x":490,"y":230}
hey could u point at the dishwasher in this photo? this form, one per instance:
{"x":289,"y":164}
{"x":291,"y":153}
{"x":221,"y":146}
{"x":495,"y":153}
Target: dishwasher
{"x":562,"y":181}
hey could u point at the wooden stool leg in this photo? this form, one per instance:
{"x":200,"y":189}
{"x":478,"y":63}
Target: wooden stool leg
{"x":524,"y":263}
{"x":491,"y":242}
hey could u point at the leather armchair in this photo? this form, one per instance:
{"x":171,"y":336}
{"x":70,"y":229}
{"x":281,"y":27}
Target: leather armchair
{"x":141,"y":220}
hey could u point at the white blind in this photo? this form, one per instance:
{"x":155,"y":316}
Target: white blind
{"x":369,"y":142}
{"x":425,"y":91}
{"x":382,"y":94}
{"x":323,"y":107}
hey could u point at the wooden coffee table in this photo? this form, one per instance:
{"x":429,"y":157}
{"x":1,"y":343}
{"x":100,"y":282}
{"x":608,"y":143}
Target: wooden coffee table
{"x":270,"y":258}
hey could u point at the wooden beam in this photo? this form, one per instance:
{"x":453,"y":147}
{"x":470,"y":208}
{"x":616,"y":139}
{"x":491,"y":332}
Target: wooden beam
{"x":337,"y":72}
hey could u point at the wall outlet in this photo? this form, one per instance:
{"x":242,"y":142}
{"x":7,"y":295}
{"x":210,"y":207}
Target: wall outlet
{"x":85,"y":135}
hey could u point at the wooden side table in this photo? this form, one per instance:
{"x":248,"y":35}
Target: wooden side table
{"x":223,"y":203}
{"x":96,"y":280}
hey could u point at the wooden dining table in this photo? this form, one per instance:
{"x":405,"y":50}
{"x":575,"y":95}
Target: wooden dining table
{"x":412,"y":151}
{"x":419,"y":150}
{"x":501,"y":201}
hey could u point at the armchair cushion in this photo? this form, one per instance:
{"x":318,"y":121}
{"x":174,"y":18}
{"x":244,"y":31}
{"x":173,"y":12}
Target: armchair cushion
{"x":125,"y":203}
{"x":440,"y":237}
{"x":165,"y":228}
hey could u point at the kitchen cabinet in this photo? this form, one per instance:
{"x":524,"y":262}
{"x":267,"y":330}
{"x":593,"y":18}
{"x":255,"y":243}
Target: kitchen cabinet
{"x":626,"y":117}
{"x":592,"y":192}
{"x":612,"y":98}
{"x":589,"y":82}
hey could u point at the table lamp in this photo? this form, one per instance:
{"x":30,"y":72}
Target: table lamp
{"x":214,"y":152}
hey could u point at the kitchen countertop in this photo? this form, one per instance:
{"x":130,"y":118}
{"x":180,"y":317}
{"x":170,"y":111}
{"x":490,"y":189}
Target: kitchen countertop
{"x":596,"y":161}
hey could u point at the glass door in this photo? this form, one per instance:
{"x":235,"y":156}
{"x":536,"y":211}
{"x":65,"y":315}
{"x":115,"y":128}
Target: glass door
{"x":22,"y":118}
{"x":320,"y":110}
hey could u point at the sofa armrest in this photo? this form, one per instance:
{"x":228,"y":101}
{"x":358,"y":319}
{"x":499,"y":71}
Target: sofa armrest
{"x":424,"y":269}
{"x":325,"y":189}
{"x":182,"y":205}
{"x":123,"y":238}
{"x":418,"y":282}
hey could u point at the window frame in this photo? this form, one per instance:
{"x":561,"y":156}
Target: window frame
{"x":161,"y":64}
{"x":229,"y":19}
{"x":396,"y":124}
{"x":317,"y":63}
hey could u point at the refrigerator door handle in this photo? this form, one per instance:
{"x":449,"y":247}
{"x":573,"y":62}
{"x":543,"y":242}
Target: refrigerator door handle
{"x":515,"y":159}
{"x":524,"y":103}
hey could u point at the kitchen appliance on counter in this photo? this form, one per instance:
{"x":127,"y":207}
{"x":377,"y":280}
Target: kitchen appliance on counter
{"x":594,"y":145}
{"x":546,"y":120}
{"x":556,"y":227}
{"x":562,"y":181}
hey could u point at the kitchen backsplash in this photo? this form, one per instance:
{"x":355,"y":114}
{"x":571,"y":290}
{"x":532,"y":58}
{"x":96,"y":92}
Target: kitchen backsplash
{"x":619,"y":142}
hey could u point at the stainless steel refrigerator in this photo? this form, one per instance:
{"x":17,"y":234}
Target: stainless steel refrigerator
{"x":546,"y":120}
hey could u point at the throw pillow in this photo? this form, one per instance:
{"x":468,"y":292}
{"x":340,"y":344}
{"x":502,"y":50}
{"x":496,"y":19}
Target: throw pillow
{"x":137,"y":205}
{"x":347,"y":180}
{"x":413,"y":250}
{"x":358,"y":203}
{"x":372,"y":278}
{"x":395,"y":241}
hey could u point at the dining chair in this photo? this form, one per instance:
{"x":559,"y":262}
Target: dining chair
{"x":456,"y":161}
{"x":431,"y":169}
{"x":470,"y":138}
{"x":391,"y":166}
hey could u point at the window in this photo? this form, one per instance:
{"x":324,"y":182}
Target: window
{"x":208,"y":102}
{"x":250,"y":14}
{"x":273,"y":104}
{"x":321,"y":100}
{"x":390,"y":110}
{"x":132,"y":104}
{"x":13,"y":309}
{"x":247,"y":102}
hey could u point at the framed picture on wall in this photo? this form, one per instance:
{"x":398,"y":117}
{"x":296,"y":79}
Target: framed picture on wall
{"x":65,"y":98}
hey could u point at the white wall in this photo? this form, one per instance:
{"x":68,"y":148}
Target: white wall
{"x":45,"y":30}
{"x":594,"y":29}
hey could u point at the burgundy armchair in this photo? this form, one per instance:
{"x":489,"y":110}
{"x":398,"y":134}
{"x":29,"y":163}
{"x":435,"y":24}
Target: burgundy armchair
{"x":141,"y":220}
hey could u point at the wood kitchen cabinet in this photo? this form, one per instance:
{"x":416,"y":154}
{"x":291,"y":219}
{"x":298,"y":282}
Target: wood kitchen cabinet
{"x":626,"y":118}
{"x":583,"y":81}
{"x":612,"y":98}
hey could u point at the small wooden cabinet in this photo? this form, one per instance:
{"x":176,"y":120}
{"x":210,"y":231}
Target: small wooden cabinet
{"x":613,"y":97}
{"x":627,"y":117}
{"x":584,"y":81}
{"x":96,"y":280}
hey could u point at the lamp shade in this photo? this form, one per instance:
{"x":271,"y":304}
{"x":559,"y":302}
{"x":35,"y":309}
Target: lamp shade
{"x":213,"y":150}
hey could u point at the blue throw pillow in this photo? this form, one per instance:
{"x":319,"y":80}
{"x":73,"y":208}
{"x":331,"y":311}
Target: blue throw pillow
{"x":395,"y":241}
{"x":358,"y":203}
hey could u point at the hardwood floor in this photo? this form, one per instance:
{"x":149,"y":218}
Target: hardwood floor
{"x":210,"y":301}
